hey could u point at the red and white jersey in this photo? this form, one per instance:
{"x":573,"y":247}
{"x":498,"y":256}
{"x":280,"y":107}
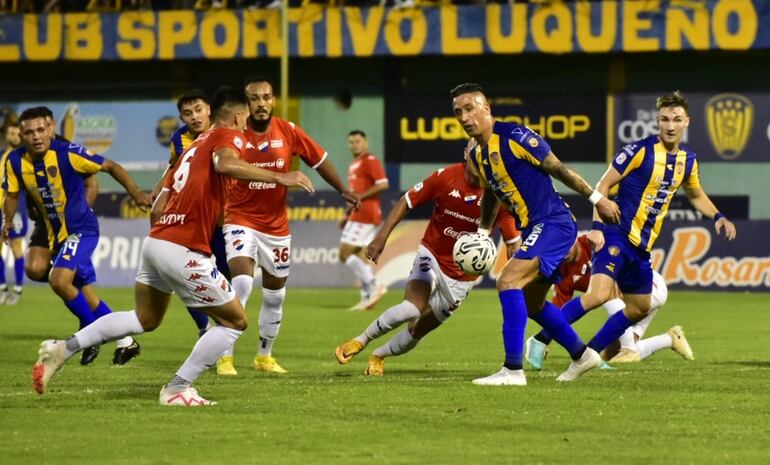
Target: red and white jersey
{"x":366,"y":171}
{"x":574,"y":276}
{"x":262,"y":205}
{"x":457,"y":210}
{"x":196,"y":192}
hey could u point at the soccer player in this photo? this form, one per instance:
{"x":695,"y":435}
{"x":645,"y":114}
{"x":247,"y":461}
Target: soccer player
{"x":366,"y":177}
{"x":51,"y":173}
{"x":176,"y":256}
{"x":436,"y":286}
{"x":649,"y":172}
{"x":195,"y":113}
{"x":515,"y":165}
{"x":575,"y":273}
{"x":19,"y":231}
{"x":256,"y":223}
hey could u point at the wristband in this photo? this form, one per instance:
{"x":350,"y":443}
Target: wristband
{"x":719,"y":216}
{"x":595,"y":197}
{"x":483,"y":231}
{"x":598,"y":226}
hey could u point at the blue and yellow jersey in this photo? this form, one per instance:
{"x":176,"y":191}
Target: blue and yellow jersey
{"x":652,"y":177}
{"x":55,"y":185}
{"x":510,"y":165}
{"x":180,"y":140}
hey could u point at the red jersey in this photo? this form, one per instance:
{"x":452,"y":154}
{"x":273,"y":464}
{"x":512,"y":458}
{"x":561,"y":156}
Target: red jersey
{"x":197,"y":192}
{"x":457,"y":210}
{"x":262,"y":205}
{"x":574,"y":276}
{"x":366,"y":171}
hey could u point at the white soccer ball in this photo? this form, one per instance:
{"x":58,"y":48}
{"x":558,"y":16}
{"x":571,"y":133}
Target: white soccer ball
{"x":474,"y":253}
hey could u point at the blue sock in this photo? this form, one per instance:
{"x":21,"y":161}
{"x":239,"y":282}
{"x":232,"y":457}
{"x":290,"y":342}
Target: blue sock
{"x":2,"y":271}
{"x":610,"y":332}
{"x":514,"y":326}
{"x":101,"y":310}
{"x":200,"y":318}
{"x":572,"y":310}
{"x":18,"y":269}
{"x":80,"y":308}
{"x":553,"y":320}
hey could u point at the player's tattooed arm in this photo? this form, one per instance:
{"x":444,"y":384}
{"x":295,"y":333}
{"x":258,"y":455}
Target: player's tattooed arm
{"x":489,"y":207}
{"x":571,"y":179}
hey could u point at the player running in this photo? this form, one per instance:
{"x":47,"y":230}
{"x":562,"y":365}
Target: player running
{"x":256,"y":222}
{"x":176,"y":256}
{"x":436,"y":286}
{"x":515,"y":164}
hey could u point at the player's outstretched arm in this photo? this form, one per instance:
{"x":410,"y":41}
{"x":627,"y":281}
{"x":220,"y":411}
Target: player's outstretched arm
{"x":120,"y":174}
{"x":702,"y":202}
{"x":609,"y":179}
{"x":327,"y":171}
{"x":398,"y":213}
{"x":607,"y":209}
{"x":10,"y":206}
{"x":226,"y":162}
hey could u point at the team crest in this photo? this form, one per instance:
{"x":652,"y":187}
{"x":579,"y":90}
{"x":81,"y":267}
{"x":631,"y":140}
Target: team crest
{"x":263,"y":146}
{"x":614,"y":250}
{"x":679,"y":167}
{"x":533,"y":142}
{"x":729,"y":119}
{"x":495,"y":157}
{"x":52,"y":171}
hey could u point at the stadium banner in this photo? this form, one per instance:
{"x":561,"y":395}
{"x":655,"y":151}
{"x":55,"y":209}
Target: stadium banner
{"x":422,"y":128}
{"x":689,"y":255}
{"x":724,"y":126}
{"x":135,"y":133}
{"x":316,"y":31}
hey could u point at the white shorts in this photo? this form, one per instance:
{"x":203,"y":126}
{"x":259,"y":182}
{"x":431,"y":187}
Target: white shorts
{"x":273,"y":253}
{"x":358,"y":234}
{"x":170,"y":267}
{"x":658,"y":298}
{"x":446,"y":293}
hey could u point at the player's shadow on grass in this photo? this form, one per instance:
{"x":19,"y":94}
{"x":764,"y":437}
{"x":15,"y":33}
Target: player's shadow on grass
{"x":750,"y":363}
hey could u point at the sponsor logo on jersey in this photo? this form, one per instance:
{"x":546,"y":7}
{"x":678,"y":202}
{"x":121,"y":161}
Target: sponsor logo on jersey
{"x":172,"y":218}
{"x":259,"y":185}
{"x":276,"y":143}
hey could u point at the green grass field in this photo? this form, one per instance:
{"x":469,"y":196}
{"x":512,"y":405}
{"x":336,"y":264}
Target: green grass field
{"x":425,"y":410}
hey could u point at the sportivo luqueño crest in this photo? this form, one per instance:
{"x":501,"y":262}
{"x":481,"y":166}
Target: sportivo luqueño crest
{"x":729,"y":119}
{"x":495,"y":157}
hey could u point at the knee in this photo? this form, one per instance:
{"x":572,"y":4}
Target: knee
{"x":511,"y":281}
{"x":149,"y":322}
{"x":35,"y":271}
{"x":344,"y":255}
{"x":238,"y":323}
{"x":637,"y":313}
{"x":596,"y":297}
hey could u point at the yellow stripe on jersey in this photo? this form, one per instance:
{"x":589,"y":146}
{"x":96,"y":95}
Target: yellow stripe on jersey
{"x":650,"y":192}
{"x":676,"y":181}
{"x":3,"y":161}
{"x":58,"y":193}
{"x":83,"y":165}
{"x":505,"y":181}
{"x":522,"y":153}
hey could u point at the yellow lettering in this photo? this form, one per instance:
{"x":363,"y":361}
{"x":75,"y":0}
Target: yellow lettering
{"x":136,"y":36}
{"x":262,"y":27}
{"x":559,"y":39}
{"x":34,"y":50}
{"x":451,"y":42}
{"x":419,"y":31}
{"x":83,"y":36}
{"x":513,"y":43}
{"x":175,"y":28}
{"x":679,"y":25}
{"x":333,"y":32}
{"x":633,"y":25}
{"x":555,"y":122}
{"x":364,"y":34}
{"x":744,"y":37}
{"x":225,"y":21}
{"x":305,"y":18}
{"x":606,"y":38}
{"x":579,"y":123}
{"x":406,"y":133}
{"x":539,"y":127}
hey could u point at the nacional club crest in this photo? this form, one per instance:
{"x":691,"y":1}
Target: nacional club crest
{"x":729,"y":119}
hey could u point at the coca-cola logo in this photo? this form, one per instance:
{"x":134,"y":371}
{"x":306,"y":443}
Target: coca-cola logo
{"x":449,"y":231}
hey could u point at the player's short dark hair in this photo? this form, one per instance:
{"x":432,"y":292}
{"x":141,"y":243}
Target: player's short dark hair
{"x":34,"y":113}
{"x":357,"y":132}
{"x":224,"y":98}
{"x":674,"y":99}
{"x":467,"y":88}
{"x":191,"y":96}
{"x":257,"y":78}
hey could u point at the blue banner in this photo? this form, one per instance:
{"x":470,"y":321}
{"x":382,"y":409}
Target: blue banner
{"x":318,"y":31}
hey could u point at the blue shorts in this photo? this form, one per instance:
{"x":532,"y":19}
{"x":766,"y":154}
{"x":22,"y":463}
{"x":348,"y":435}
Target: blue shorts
{"x":549,"y":240}
{"x":626,"y":264}
{"x":75,"y":254}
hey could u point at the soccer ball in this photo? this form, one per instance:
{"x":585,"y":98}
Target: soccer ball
{"x":474,"y":253}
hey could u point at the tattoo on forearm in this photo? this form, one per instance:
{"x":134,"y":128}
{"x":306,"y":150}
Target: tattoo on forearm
{"x":571,"y":179}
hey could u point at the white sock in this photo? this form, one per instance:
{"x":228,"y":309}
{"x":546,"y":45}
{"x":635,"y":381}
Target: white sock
{"x":270,"y":316}
{"x":207,"y":350}
{"x":362,"y":270}
{"x":649,"y":346}
{"x":108,"y":328}
{"x":124,"y":342}
{"x":401,"y":343}
{"x":242,"y":285}
{"x":390,"y":318}
{"x":614,"y":306}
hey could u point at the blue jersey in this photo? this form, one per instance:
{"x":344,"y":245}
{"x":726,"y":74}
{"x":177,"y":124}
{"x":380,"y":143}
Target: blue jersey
{"x":54,"y":183}
{"x":180,"y":141}
{"x":652,"y":177}
{"x":510,"y":166}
